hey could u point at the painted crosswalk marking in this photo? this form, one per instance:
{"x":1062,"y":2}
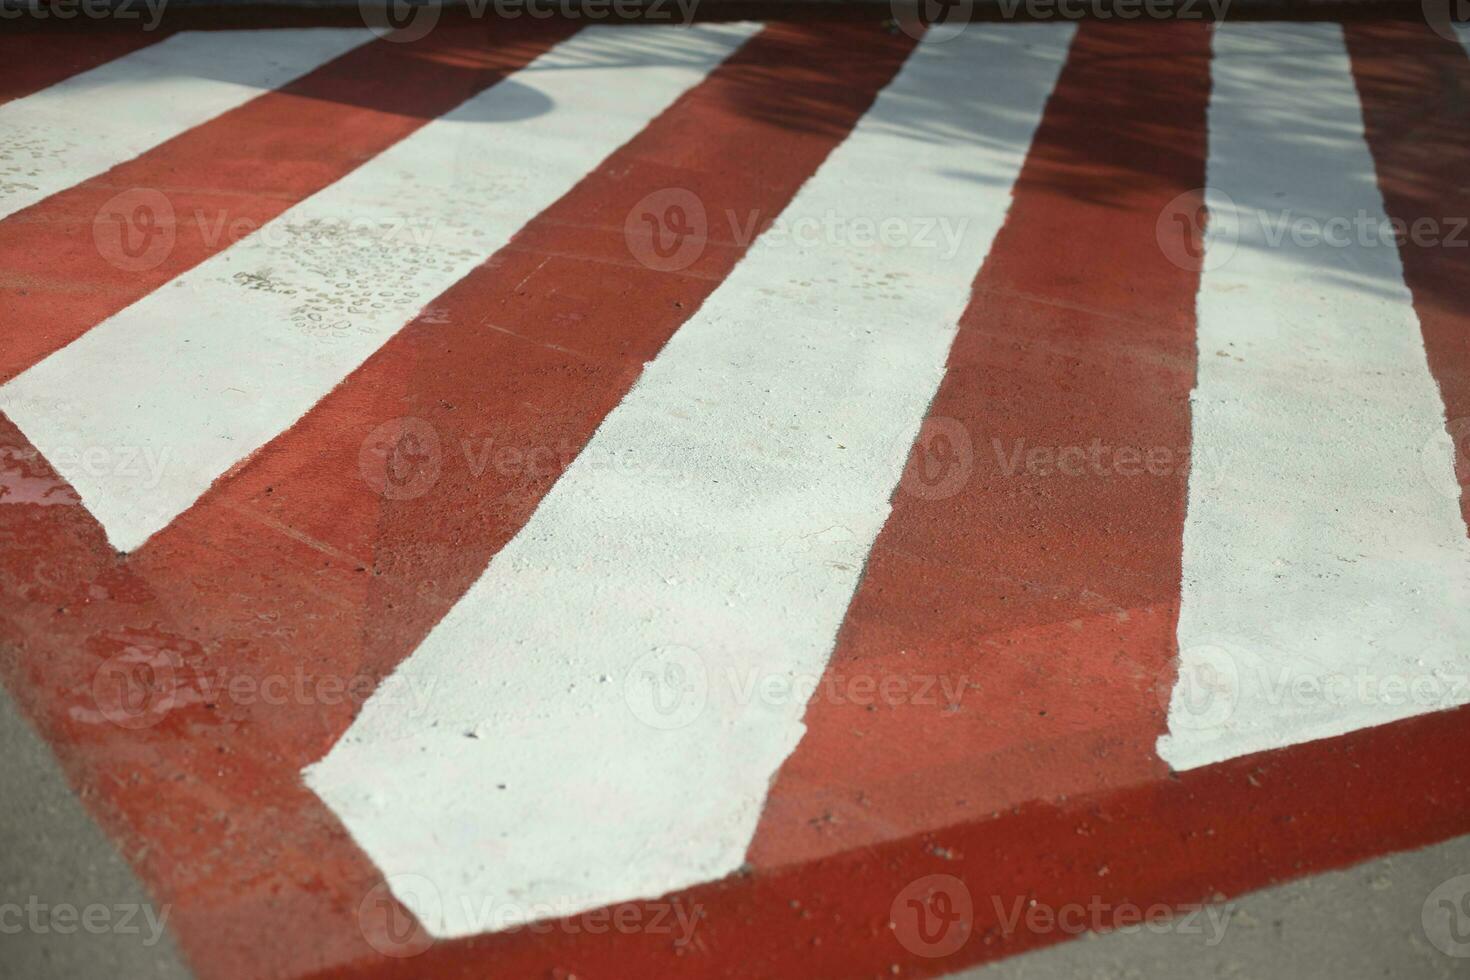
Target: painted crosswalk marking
{"x":207,"y":369}
{"x":602,"y":740}
{"x":91,"y":122}
{"x":86,"y":253}
{"x":1081,"y":329}
{"x":1326,"y":580}
{"x":631,"y":669}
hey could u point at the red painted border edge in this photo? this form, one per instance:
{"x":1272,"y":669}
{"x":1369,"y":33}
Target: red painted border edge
{"x":1204,"y":835}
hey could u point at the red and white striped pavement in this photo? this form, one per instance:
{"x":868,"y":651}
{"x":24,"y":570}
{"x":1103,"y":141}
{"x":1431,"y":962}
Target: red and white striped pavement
{"x":734,"y":473}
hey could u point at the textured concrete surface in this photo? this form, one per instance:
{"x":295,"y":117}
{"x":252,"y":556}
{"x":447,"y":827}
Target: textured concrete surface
{"x":186,"y":683}
{"x":1367,"y":921}
{"x":54,"y":859}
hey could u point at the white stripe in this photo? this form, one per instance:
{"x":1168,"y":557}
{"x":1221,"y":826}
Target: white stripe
{"x":84,"y":126}
{"x":1326,"y":581}
{"x":204,"y":371}
{"x":703,"y":546}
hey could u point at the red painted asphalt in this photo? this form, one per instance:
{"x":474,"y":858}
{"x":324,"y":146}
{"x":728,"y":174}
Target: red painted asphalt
{"x":237,"y":172}
{"x":1079,"y":327}
{"x":1415,"y":87}
{"x":358,"y":581}
{"x":1200,"y":836}
{"x":1056,"y":598}
{"x":34,"y":61}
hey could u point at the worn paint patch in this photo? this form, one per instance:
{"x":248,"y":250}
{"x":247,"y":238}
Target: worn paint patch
{"x":225,"y":357}
{"x":90,"y":122}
